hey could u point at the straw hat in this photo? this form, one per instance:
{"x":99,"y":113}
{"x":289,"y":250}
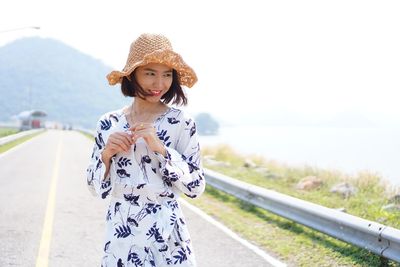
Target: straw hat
{"x":154,"y":48}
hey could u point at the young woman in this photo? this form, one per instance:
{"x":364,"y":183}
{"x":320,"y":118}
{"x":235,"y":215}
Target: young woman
{"x":145,"y":155}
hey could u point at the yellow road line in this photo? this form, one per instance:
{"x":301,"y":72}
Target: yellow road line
{"x":42,"y":259}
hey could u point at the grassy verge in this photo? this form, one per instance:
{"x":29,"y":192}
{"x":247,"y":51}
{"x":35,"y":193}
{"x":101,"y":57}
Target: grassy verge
{"x":87,"y":135}
{"x":293,"y":243}
{"x":8,"y":131}
{"x":12,"y":144}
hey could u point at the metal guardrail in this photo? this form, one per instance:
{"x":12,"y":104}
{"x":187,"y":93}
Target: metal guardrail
{"x":377,"y":238}
{"x":9,"y":138}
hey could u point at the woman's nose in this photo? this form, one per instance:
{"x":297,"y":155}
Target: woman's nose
{"x":158,"y":82}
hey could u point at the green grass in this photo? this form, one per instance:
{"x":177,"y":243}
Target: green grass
{"x":91,"y":137}
{"x":12,"y":144}
{"x":8,"y":131}
{"x":293,"y":243}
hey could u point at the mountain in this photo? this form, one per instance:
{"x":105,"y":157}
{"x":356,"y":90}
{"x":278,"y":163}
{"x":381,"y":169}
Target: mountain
{"x":46,"y":74}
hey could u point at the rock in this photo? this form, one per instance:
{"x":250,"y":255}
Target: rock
{"x":395,"y":199}
{"x":213,"y":162}
{"x":309,"y":183}
{"x":248,"y":163}
{"x":392,"y":207}
{"x":344,"y":189}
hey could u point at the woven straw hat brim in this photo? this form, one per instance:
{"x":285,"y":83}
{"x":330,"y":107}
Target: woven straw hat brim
{"x":187,"y":76}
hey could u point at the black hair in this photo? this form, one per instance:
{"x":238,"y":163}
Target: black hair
{"x":175,"y":94}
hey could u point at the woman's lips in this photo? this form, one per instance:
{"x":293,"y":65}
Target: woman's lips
{"x":155,"y":93}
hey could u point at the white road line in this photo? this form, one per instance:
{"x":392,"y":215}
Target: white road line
{"x":271,"y":260}
{"x":44,"y":248}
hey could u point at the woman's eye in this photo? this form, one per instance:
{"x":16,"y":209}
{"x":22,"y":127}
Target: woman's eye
{"x":150,"y":73}
{"x":167,"y":74}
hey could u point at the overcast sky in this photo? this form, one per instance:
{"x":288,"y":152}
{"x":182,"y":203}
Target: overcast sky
{"x":315,"y":58}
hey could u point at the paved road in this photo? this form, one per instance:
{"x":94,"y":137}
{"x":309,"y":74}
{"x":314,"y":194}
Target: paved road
{"x":55,"y":161}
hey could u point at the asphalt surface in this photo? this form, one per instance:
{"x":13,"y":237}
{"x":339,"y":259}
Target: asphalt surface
{"x":77,"y":219}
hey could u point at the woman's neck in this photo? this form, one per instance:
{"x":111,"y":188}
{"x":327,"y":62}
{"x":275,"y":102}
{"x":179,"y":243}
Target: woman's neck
{"x":142,"y":110}
{"x":140,"y":106}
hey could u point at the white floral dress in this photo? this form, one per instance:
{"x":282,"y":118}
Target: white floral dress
{"x":145,"y":224}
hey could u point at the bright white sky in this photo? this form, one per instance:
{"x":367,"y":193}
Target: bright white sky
{"x":315,"y":58}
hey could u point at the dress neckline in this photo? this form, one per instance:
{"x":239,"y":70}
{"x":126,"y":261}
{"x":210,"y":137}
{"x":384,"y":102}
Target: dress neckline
{"x":158,"y":118}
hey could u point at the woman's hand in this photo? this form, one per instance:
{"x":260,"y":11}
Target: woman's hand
{"x":149,"y":134}
{"x":117,"y":142}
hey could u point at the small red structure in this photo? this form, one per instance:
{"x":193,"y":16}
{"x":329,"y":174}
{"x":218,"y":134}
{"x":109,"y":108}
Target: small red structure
{"x":32,"y":119}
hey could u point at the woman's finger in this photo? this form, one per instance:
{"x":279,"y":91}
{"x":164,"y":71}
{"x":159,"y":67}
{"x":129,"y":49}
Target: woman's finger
{"x":113,"y":148}
{"x":140,"y":126}
{"x":124,"y":137}
{"x":123,"y":146}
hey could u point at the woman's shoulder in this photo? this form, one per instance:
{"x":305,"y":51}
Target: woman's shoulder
{"x":111,"y":117}
{"x":178,"y":115}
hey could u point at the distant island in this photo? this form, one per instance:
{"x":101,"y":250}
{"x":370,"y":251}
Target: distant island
{"x":206,"y":124}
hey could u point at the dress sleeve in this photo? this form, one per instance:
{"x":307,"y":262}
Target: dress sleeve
{"x":99,"y":185}
{"x":182,"y":167}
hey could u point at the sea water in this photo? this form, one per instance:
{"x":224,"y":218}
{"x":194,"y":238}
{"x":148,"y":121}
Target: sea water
{"x":349,"y":150}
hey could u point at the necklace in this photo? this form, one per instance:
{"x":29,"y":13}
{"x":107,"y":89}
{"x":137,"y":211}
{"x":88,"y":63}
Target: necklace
{"x":133,"y":116}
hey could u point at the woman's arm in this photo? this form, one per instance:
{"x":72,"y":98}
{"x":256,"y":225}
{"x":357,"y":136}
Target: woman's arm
{"x":98,"y":171}
{"x":105,"y":147}
{"x":182,"y":167}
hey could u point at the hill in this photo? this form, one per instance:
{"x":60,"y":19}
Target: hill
{"x":46,"y":74}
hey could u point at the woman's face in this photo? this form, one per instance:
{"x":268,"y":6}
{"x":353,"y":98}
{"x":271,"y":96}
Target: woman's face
{"x":155,"y":79}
